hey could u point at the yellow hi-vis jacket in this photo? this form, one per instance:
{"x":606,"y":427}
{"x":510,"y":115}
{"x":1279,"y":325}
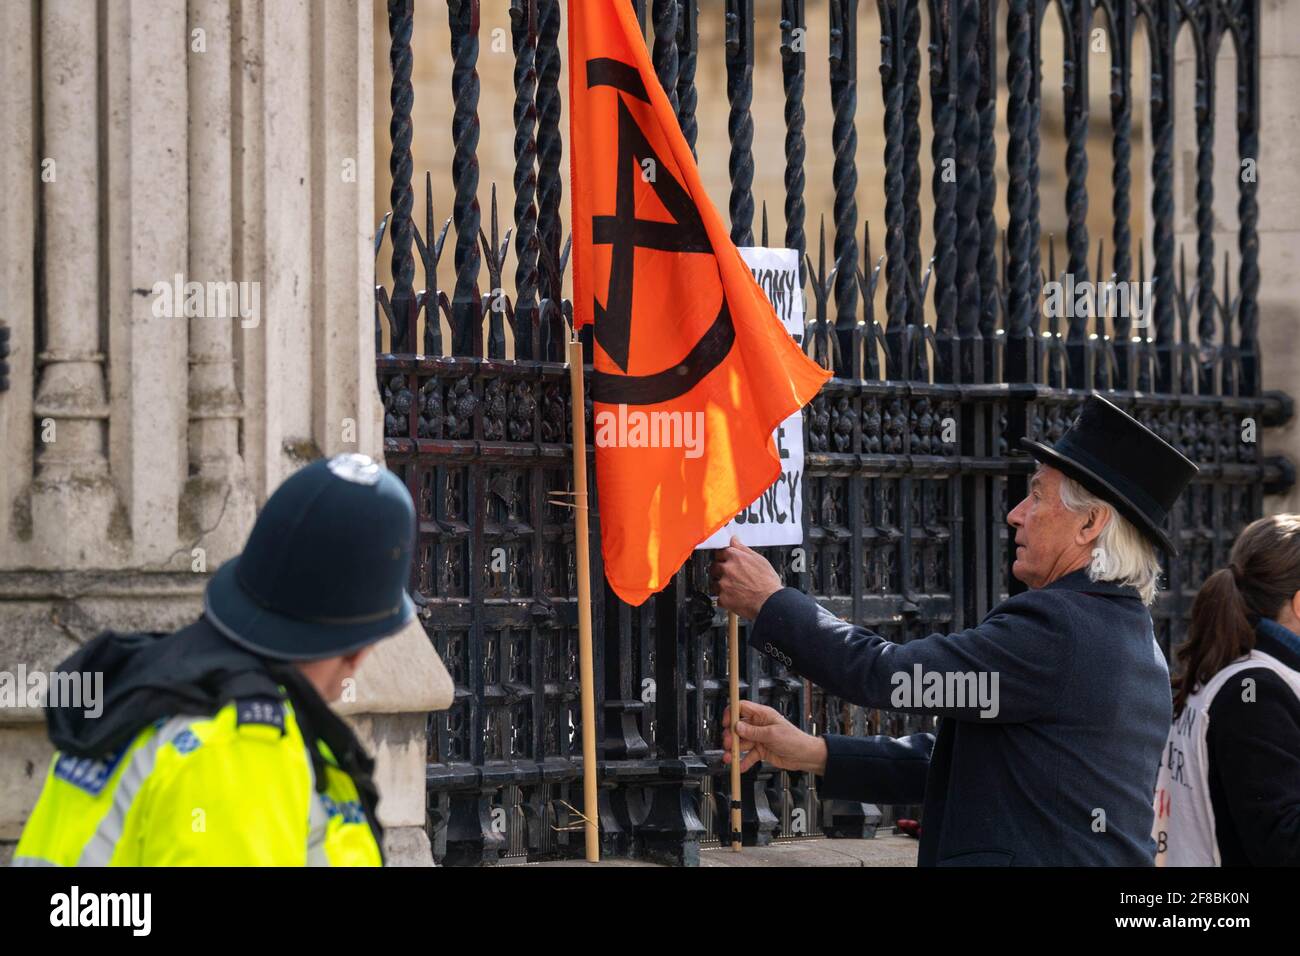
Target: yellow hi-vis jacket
{"x":234,"y":789}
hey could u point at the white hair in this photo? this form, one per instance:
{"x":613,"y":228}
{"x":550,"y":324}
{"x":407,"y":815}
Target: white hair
{"x":1122,"y":553}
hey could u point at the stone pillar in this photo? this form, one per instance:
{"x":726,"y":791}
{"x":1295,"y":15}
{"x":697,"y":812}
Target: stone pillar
{"x":143,"y":55}
{"x":216,"y":484}
{"x":397,"y":686}
{"x":19,"y":185}
{"x":71,"y":483}
{"x":204,"y":327}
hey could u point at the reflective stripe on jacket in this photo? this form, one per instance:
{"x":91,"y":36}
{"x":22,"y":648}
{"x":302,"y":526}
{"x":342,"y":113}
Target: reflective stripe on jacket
{"x":234,"y":789}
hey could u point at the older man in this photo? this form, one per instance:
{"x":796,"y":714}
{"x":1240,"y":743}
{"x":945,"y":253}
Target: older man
{"x":1056,"y":706}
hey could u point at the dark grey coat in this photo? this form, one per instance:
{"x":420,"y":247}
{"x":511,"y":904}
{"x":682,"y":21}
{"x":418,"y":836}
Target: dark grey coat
{"x":1064,"y":774}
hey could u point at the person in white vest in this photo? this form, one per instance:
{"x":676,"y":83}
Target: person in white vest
{"x":1228,"y":790}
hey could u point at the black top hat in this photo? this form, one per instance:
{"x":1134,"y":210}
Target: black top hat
{"x":1122,"y":462}
{"x":326,"y":566}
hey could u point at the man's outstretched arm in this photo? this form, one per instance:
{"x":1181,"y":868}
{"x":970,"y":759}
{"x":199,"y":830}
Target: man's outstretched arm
{"x":874,"y":769}
{"x":1009,"y":669}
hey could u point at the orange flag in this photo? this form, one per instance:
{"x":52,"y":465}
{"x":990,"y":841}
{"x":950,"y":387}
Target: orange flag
{"x":693,"y":369}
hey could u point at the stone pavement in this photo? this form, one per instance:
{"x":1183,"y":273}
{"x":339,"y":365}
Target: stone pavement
{"x":887,"y":849}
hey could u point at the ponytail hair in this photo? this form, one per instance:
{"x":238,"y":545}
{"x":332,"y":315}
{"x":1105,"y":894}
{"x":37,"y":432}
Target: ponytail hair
{"x":1220,"y":632}
{"x":1263,"y":574}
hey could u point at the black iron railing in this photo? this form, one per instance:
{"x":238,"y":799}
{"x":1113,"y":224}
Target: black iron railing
{"x":911,"y":448}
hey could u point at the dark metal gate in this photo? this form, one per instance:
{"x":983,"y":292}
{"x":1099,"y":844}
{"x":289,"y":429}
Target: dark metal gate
{"x":911,"y":460}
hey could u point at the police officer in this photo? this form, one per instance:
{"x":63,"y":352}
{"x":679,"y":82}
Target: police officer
{"x":216,"y":745}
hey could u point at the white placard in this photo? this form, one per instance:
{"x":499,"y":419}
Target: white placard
{"x":776,"y":516}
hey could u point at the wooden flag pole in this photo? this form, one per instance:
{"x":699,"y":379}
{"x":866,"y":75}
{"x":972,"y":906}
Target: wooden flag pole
{"x":590,"y":812}
{"x":733,"y":667}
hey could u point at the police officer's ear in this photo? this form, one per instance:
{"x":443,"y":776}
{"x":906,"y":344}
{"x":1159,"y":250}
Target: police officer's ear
{"x":353,"y":661}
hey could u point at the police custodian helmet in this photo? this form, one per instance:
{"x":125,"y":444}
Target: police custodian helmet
{"x":326,"y":567}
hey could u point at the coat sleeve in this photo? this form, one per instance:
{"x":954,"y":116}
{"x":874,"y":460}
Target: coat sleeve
{"x":1012,"y":668}
{"x":1254,"y":750}
{"x":876,"y":769}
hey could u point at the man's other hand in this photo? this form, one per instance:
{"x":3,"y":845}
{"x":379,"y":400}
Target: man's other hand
{"x":766,"y":735}
{"x":742,"y":579}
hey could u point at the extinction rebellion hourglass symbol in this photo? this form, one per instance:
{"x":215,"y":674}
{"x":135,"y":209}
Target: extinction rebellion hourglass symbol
{"x":625,"y":234}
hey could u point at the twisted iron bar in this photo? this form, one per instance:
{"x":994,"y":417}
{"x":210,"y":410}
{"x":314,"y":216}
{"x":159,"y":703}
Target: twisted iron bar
{"x":897,"y":351}
{"x":989,"y":268}
{"x":688,"y":48}
{"x":401,"y":196}
{"x":1020,"y":116}
{"x":665,"y":48}
{"x":1248,"y":218}
{"x":1205,"y":301}
{"x":896,"y":275}
{"x":990,"y":288}
{"x":1035,"y":148}
{"x":549,"y":143}
{"x":793,"y":66}
{"x":844,"y":174}
{"x":944,"y":182}
{"x":467,"y":328}
{"x":523,"y":27}
{"x":1205,"y":32}
{"x":1075,"y":89}
{"x":968,"y":149}
{"x":1162,"y":211}
{"x":912,"y":147}
{"x":740,"y":123}
{"x":1121,"y":122}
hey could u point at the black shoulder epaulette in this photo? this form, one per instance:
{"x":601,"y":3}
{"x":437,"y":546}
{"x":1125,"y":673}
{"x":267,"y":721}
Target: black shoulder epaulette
{"x":268,"y":711}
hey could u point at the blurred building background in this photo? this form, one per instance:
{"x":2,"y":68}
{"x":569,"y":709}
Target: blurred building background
{"x":247,"y":141}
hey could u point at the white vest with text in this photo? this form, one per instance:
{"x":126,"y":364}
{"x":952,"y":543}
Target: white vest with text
{"x":1184,"y":821}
